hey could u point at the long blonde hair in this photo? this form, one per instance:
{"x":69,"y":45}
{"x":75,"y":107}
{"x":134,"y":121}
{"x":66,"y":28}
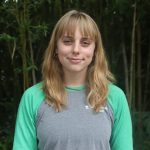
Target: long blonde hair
{"x":98,"y":74}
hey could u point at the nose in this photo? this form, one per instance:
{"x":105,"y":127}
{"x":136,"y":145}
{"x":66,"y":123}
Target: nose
{"x":76,"y":48}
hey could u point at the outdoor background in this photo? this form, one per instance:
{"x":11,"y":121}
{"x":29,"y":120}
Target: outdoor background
{"x":25,"y":30}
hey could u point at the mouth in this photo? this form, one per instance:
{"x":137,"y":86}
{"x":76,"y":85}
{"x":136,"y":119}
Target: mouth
{"x":75,"y":60}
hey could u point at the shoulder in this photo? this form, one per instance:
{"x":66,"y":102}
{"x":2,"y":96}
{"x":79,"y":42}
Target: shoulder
{"x":35,"y":90}
{"x":116,"y":98}
{"x":32,"y":98}
{"x":114,"y":91}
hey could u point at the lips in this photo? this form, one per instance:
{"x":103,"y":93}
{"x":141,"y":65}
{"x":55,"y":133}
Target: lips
{"x":75,"y":60}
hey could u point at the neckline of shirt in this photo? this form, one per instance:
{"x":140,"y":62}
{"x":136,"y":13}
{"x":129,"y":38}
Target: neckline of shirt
{"x":75,"y":88}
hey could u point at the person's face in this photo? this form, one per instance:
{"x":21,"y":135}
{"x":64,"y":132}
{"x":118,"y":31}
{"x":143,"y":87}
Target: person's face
{"x":75,"y":53}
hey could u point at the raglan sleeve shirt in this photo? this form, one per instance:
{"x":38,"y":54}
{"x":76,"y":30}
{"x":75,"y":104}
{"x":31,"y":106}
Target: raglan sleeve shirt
{"x":25,"y":132}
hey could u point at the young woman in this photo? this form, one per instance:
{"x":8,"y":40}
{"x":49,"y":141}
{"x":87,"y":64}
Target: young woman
{"x":76,"y":106}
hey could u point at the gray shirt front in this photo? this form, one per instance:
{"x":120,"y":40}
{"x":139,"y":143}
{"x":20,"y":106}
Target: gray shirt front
{"x":77,"y":127}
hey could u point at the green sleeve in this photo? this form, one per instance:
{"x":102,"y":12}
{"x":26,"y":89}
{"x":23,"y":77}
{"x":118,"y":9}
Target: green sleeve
{"x":121,"y":138}
{"x":25,"y":131}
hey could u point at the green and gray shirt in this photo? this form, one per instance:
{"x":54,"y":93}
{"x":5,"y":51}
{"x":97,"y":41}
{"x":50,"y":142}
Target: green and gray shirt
{"x":39,"y":127}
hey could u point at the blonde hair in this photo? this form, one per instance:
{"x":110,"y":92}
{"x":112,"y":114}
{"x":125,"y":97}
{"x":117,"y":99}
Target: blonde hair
{"x":98,"y":75}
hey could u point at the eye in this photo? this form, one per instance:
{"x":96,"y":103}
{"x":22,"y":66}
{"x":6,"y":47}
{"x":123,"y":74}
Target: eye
{"x":67,"y":40}
{"x":85,"y":42}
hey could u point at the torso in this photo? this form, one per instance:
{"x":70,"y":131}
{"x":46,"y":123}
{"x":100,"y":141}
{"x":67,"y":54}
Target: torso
{"x":75,"y":128}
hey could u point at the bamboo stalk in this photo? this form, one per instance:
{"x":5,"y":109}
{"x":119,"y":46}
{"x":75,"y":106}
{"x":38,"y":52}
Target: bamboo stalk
{"x":139,"y":93}
{"x":32,"y":57}
{"x":132,"y":67}
{"x":126,"y":70}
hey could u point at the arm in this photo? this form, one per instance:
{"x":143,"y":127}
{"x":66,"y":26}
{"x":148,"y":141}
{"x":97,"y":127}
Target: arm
{"x":25,"y":132}
{"x":121,"y":138}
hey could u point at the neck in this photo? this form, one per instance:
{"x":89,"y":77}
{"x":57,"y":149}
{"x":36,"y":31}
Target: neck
{"x":74,"y":79}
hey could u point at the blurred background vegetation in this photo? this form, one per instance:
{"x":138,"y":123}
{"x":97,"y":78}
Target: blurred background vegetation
{"x":25,"y":30}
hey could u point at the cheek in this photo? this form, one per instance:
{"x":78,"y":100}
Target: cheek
{"x":62,"y":54}
{"x":62,"y":50}
{"x":90,"y":53}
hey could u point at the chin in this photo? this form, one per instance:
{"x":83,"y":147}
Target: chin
{"x":77,"y":70}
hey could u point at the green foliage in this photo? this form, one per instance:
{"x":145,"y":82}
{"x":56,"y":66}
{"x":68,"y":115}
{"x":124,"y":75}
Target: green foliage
{"x":6,"y":37}
{"x":141,"y":126}
{"x":38,"y":31}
